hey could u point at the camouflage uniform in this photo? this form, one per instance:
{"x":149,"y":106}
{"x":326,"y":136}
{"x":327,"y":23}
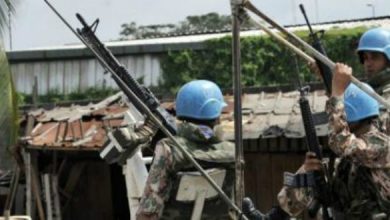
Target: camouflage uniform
{"x":361,"y":182}
{"x":381,"y":84}
{"x":295,"y":200}
{"x":162,"y":183}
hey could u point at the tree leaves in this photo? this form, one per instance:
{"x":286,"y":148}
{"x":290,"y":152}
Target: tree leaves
{"x":264,"y":61}
{"x":192,"y":24}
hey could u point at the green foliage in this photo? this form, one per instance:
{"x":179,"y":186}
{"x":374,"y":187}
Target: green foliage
{"x":263,"y":60}
{"x":196,"y":23}
{"x":55,"y":96}
{"x":206,"y":22}
{"x":8,"y":112}
{"x":136,"y":32}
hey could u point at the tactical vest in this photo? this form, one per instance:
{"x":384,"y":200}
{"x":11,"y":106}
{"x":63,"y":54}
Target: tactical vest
{"x":355,"y":194}
{"x":210,"y":154}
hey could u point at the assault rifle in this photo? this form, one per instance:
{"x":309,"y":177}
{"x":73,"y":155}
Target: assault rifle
{"x":325,"y":71}
{"x":321,"y":189}
{"x":316,"y":179}
{"x":142,"y":98}
{"x":87,"y":32}
{"x":114,"y":152}
{"x":322,"y":195}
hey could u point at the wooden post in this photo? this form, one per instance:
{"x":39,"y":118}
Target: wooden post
{"x":239,"y":186}
{"x":26,"y":154}
{"x":46,"y":187}
{"x":36,"y":188}
{"x":56,"y":197}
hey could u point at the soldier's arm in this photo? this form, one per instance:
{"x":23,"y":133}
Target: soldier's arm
{"x":368,"y":150}
{"x":295,"y":200}
{"x":158,"y":184}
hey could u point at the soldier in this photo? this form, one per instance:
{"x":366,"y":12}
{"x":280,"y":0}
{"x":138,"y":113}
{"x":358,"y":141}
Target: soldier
{"x":374,"y":54}
{"x":360,"y":186}
{"x":198,"y":107}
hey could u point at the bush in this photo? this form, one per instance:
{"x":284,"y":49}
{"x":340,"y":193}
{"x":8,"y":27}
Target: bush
{"x":264,"y":61}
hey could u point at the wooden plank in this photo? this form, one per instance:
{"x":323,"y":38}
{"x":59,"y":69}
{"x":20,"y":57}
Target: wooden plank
{"x":273,"y":144}
{"x":27,"y":172}
{"x":263,"y":181}
{"x":13,"y":188}
{"x":283,"y":144}
{"x":46,"y":187}
{"x":27,"y":162}
{"x":263,"y":145}
{"x":264,"y":176}
{"x":251,"y":170}
{"x":73,"y":180}
{"x":74,"y":177}
{"x":19,"y":200}
{"x":56,"y":197}
{"x":36,"y":186}
{"x":93,"y":195}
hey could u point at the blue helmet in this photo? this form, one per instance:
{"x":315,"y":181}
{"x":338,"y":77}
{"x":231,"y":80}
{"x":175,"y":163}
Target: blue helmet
{"x":199,"y":99}
{"x":377,"y":39}
{"x":358,"y":104}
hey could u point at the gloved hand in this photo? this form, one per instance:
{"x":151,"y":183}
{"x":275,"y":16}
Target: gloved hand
{"x":250,"y":211}
{"x":128,"y":141}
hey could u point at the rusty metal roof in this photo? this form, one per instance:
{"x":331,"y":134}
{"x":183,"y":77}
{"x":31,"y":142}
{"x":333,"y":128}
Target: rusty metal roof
{"x":265,"y":115}
{"x":79,"y":127}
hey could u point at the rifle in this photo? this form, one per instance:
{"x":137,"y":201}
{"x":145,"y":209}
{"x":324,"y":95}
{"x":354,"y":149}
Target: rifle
{"x":307,"y":117}
{"x":142,"y":98}
{"x":87,"y":32}
{"x":316,"y":179}
{"x":325,"y":71}
{"x":322,"y":195}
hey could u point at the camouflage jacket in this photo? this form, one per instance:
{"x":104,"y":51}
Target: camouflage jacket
{"x":361,"y":182}
{"x":381,"y":84}
{"x":162,"y":183}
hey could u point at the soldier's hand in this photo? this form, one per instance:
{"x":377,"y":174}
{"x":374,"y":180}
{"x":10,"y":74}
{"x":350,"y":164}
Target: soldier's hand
{"x":250,"y":211}
{"x":342,"y":75}
{"x":312,"y":163}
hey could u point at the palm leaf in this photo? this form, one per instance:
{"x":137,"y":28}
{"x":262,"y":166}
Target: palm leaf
{"x":8,"y":104}
{"x":8,"y":112}
{"x":6,"y":8}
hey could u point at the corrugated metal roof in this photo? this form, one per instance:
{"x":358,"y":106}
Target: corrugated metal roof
{"x":270,"y":115}
{"x":265,"y":115}
{"x":79,"y":127}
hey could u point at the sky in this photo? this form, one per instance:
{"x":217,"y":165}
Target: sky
{"x":35,"y":25}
